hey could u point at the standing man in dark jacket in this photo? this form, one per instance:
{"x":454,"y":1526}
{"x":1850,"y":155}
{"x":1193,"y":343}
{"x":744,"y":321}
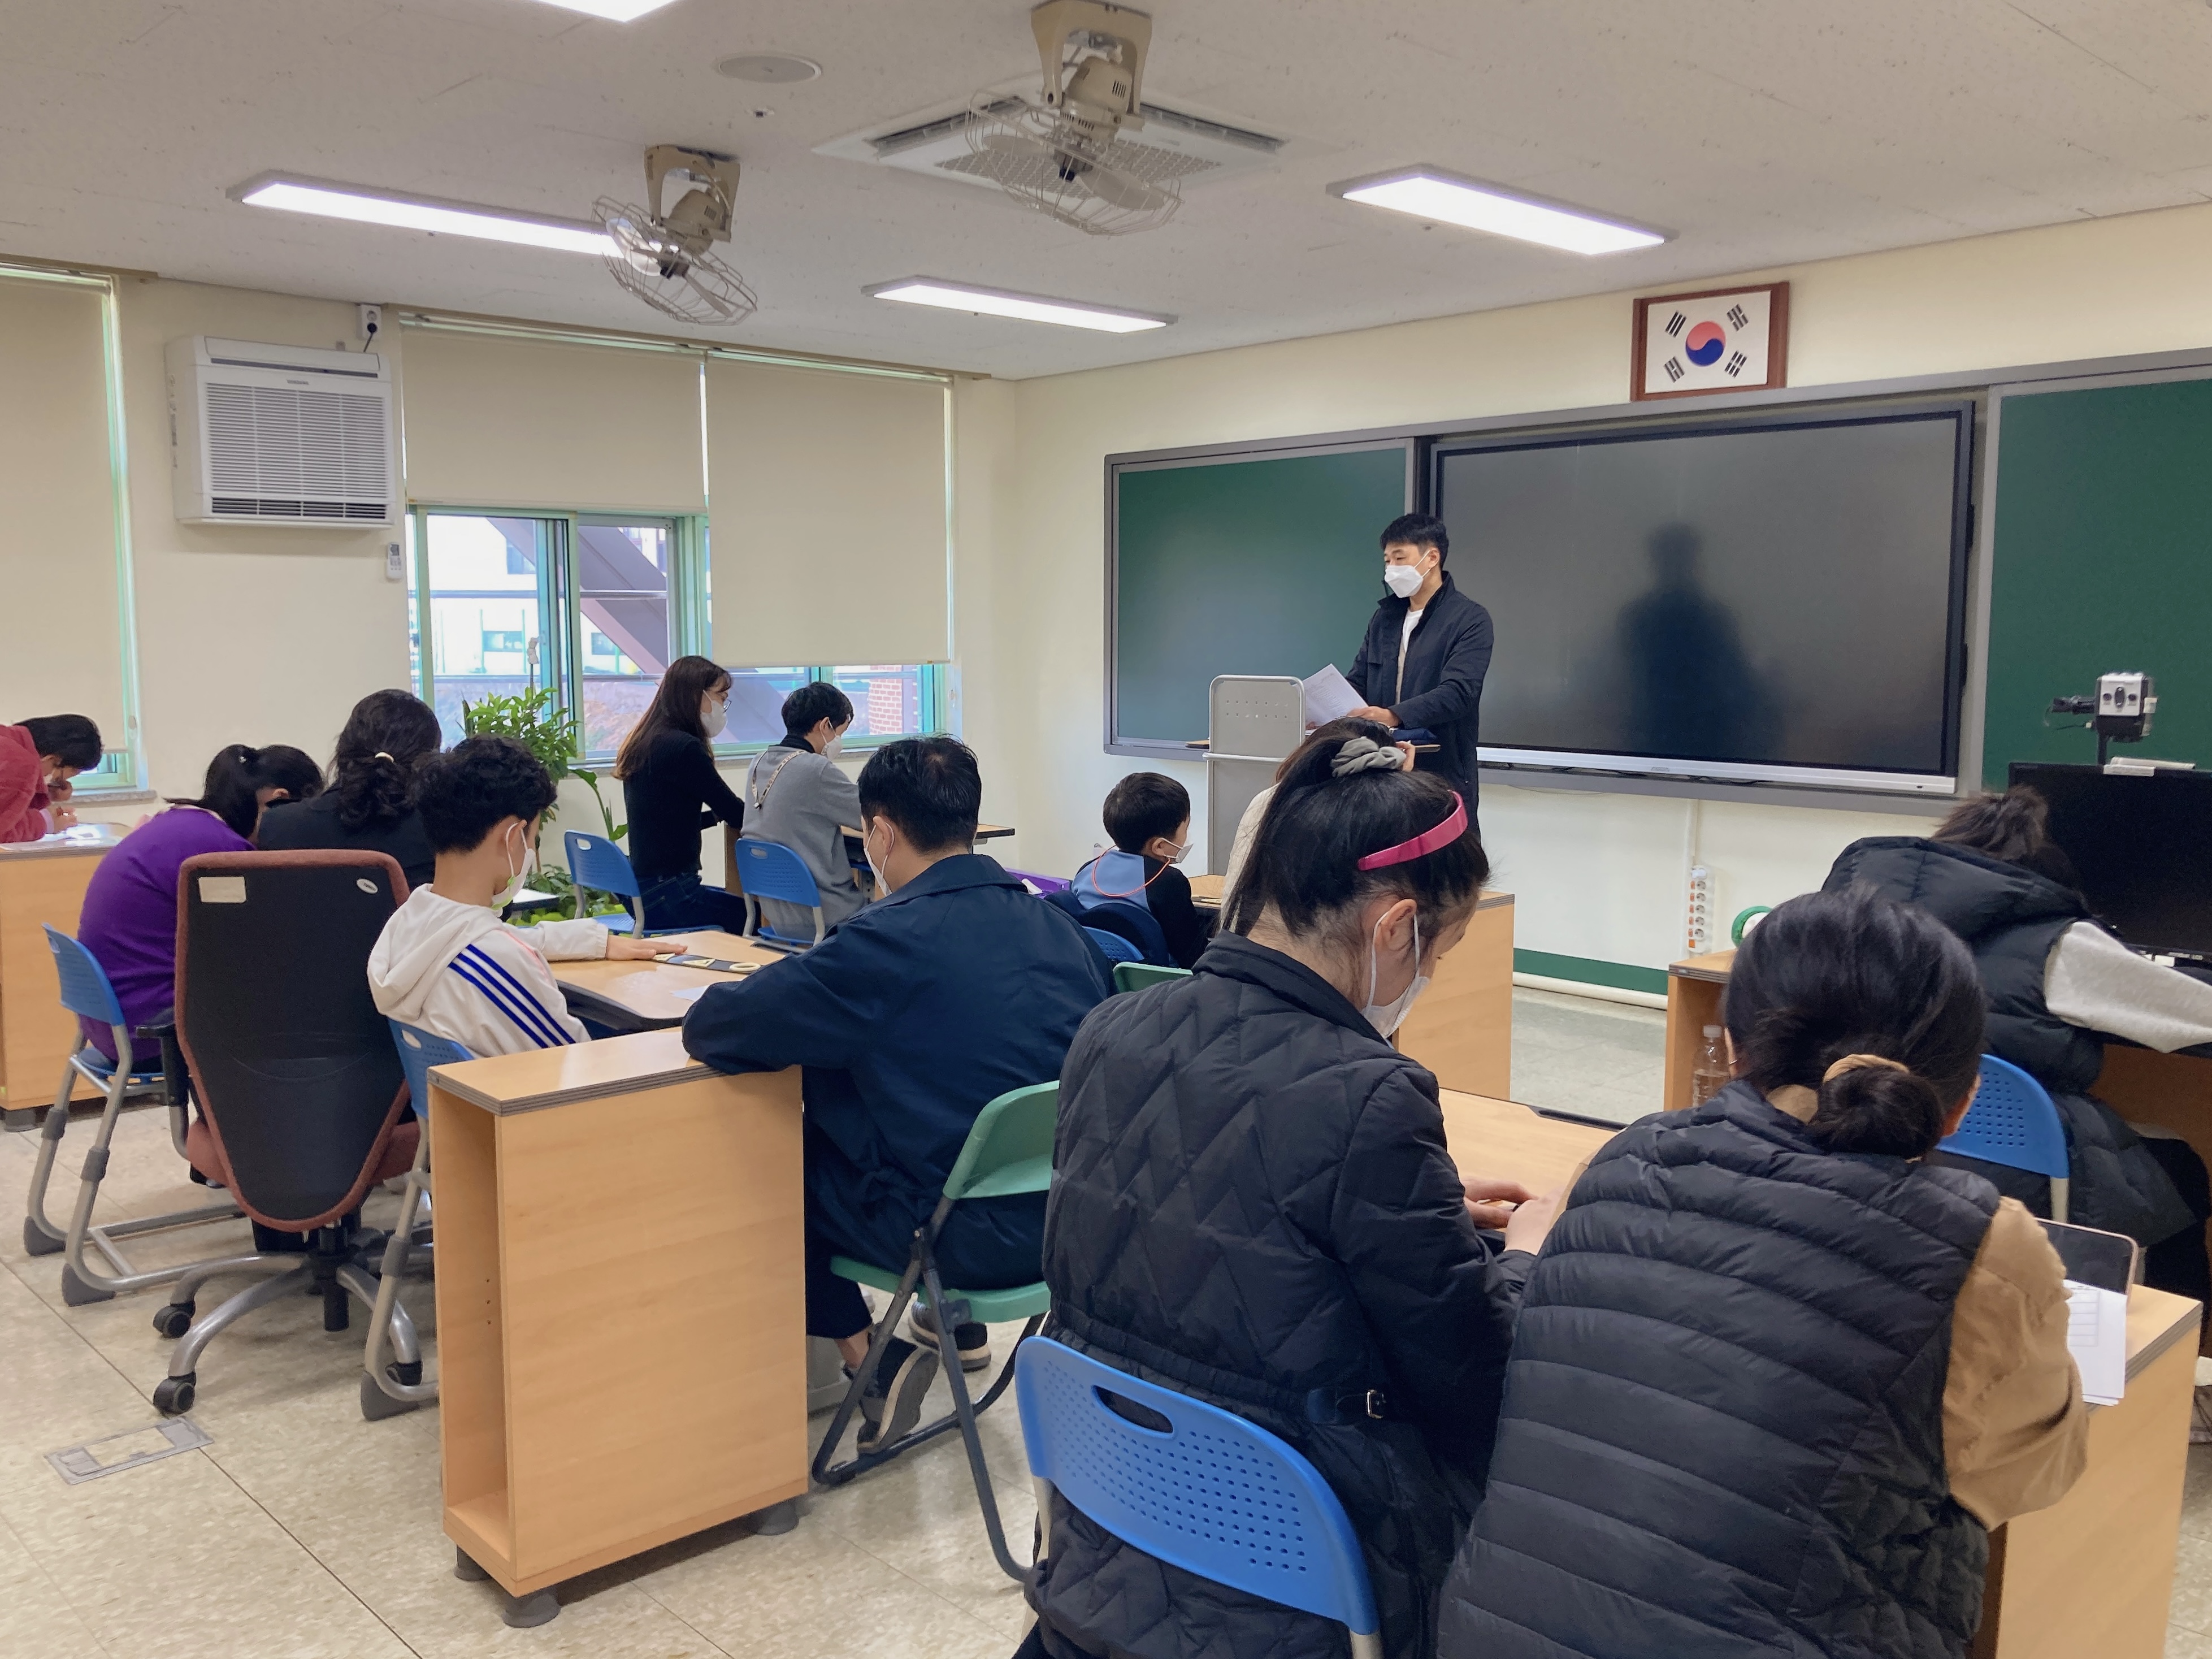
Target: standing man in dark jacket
{"x":1252,"y":1205}
{"x":1426,"y":652}
{"x":909,"y":1019}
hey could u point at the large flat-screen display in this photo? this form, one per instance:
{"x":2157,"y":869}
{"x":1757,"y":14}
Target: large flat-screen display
{"x":1778,"y":600}
{"x":2141,"y":848}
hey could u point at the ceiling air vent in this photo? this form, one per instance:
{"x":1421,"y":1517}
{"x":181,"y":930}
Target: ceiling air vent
{"x":280,"y":434}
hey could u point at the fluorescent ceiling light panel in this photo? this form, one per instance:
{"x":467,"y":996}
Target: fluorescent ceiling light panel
{"x":1029,"y":308}
{"x":378,"y":207}
{"x":1432,"y":193}
{"x":619,"y":11}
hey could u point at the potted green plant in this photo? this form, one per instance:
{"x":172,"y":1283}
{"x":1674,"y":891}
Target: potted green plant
{"x":534,"y":720}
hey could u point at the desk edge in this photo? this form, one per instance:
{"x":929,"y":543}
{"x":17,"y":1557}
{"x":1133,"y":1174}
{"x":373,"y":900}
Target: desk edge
{"x":500,"y":1106}
{"x":2154,"y":1350}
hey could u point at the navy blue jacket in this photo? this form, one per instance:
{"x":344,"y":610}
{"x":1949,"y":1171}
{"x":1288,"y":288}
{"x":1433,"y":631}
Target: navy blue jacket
{"x":1445,"y":665}
{"x":910,"y":1016}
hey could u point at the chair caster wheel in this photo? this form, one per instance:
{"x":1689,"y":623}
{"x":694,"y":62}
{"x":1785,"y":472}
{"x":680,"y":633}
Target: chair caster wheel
{"x":173,"y":1396}
{"x":37,"y":1242}
{"x":175,"y":1320}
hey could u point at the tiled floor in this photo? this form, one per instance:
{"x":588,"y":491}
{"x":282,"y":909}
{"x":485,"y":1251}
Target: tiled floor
{"x":302,"y":1532}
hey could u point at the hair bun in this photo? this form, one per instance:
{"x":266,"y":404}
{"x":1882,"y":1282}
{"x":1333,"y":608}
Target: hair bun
{"x":1364,"y":755}
{"x":1877,"y":1106}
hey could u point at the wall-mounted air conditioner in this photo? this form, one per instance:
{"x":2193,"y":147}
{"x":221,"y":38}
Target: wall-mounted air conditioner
{"x":280,"y":434}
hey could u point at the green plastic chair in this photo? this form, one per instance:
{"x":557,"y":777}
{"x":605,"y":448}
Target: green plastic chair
{"x":1009,"y":1150}
{"x":1136,"y":976}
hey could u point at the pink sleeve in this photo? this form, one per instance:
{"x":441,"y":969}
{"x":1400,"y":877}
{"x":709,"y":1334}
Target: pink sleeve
{"x":23,"y":787}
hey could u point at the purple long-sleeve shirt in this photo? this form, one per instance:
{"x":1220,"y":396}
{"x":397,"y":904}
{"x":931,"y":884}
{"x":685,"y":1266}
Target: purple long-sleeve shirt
{"x":129,"y":922}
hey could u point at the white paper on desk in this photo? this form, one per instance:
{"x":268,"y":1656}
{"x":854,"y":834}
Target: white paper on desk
{"x":2097,"y":1337}
{"x":691,"y":995}
{"x":1329,"y":697}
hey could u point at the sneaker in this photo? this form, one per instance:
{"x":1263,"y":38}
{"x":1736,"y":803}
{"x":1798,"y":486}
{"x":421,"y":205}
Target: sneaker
{"x":901,"y":1380}
{"x":972,"y":1340}
{"x":2200,"y":1417}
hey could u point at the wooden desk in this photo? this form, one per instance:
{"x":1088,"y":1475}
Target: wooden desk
{"x":2091,"y":1574}
{"x":643,"y":996}
{"x":1461,"y":1029}
{"x":41,"y":884}
{"x":621,"y":1351}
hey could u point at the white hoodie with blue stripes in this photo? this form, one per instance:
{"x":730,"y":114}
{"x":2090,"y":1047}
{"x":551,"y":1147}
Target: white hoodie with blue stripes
{"x":459,"y":972}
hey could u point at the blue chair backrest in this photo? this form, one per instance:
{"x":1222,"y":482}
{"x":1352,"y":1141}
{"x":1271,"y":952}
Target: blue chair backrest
{"x":1117,"y":948}
{"x":598,"y":864}
{"x":85,"y":989}
{"x":2012,"y":1121}
{"x":418,"y":1052}
{"x":1212,"y":1493}
{"x":769,"y":869}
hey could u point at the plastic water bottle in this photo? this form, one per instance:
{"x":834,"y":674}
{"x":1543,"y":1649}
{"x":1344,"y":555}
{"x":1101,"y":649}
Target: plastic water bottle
{"x":1711,"y":1075}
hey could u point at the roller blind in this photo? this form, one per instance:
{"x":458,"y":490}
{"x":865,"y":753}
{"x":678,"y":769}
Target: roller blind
{"x":827,"y":512}
{"x":63,"y":653}
{"x":493,"y":420}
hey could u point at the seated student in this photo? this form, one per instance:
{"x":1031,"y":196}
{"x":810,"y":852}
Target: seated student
{"x":1148,"y":816}
{"x":129,"y":921}
{"x":1777,"y":1375}
{"x":672,"y":793}
{"x":953,"y":988}
{"x":1247,"y":826}
{"x":2055,"y":979}
{"x":798,"y":795}
{"x":1252,"y":1204}
{"x":445,"y":962}
{"x":370,"y":802}
{"x":38,"y":758}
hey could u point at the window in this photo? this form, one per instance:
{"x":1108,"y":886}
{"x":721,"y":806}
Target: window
{"x":596,"y":606}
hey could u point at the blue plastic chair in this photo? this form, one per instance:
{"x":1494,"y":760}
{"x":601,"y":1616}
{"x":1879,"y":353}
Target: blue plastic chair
{"x":87,"y":993}
{"x":769,"y":870}
{"x":2014,"y":1122}
{"x":597,"y":865}
{"x":1211,"y":1493}
{"x":390,"y":1386}
{"x":1117,"y":948}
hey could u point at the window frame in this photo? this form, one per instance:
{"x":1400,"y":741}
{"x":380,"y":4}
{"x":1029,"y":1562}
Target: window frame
{"x":561,"y":615}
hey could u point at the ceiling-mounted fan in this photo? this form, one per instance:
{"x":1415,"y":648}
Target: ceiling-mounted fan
{"x":1063,"y":154}
{"x":664,"y":259}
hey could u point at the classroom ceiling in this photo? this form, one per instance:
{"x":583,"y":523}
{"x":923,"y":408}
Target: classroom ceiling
{"x":1762,"y":131}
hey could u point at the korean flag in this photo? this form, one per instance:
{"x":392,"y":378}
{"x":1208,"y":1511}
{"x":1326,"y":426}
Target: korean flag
{"x":1707,"y":345}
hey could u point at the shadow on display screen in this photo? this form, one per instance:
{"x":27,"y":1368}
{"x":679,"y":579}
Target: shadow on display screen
{"x":1765,"y":597}
{"x":2142,"y":847}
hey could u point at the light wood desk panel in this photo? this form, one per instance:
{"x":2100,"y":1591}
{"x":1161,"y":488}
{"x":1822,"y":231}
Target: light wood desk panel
{"x":644,"y":995}
{"x":1462,"y":1028}
{"x":621,"y":1318}
{"x":41,"y":884}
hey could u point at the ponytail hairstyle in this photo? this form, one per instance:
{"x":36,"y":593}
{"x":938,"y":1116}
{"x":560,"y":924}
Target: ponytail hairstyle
{"x":237,"y":775}
{"x":383,"y":747}
{"x":2013,"y":825}
{"x":689,"y":682}
{"x":1339,"y":800}
{"x":1853,"y":976}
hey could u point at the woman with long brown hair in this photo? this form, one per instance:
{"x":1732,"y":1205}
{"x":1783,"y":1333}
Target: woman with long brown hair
{"x":672,"y":793}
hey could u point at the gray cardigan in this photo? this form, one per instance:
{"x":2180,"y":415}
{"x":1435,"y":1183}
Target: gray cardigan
{"x":803,"y":800}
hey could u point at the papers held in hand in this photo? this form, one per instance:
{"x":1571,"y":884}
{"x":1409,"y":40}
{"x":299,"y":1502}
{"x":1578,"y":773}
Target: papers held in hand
{"x":1329,"y":697}
{"x":2099,"y":1267}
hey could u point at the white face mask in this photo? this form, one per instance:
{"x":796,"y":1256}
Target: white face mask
{"x":714,"y":715}
{"x":1180,"y":854}
{"x":874,"y":868}
{"x":1403,"y":580}
{"x":516,"y":877}
{"x":834,"y":748}
{"x":1388,"y":1017}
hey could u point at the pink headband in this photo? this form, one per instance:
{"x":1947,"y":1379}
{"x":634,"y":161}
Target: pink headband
{"x":1425,"y":844}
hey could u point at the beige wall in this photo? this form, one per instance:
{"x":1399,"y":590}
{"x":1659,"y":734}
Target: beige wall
{"x":1599,"y":876}
{"x":247,"y":633}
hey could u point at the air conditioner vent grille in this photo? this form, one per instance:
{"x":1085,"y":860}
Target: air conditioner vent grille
{"x":285,"y":451}
{"x":1133,"y":156}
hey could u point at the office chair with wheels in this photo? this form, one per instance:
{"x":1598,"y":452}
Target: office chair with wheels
{"x":87,"y":993}
{"x":1208,"y":1492}
{"x":2014,"y":1122}
{"x":1136,"y":976}
{"x":1008,"y":1150}
{"x":769,"y":869}
{"x":389,"y":1387}
{"x":300,"y":1090}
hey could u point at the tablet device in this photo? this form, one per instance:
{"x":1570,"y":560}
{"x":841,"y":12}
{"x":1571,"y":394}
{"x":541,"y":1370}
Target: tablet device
{"x":2107,"y":1261}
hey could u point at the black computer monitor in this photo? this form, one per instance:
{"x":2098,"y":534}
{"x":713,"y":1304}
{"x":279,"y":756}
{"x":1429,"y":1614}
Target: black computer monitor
{"x":2144,"y":845}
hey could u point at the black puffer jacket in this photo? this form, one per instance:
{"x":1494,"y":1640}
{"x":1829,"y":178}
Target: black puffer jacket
{"x":2010,"y":917}
{"x":1252,"y":1204}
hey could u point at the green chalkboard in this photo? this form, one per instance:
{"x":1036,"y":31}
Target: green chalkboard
{"x":2101,"y":560}
{"x":1266,"y":565}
